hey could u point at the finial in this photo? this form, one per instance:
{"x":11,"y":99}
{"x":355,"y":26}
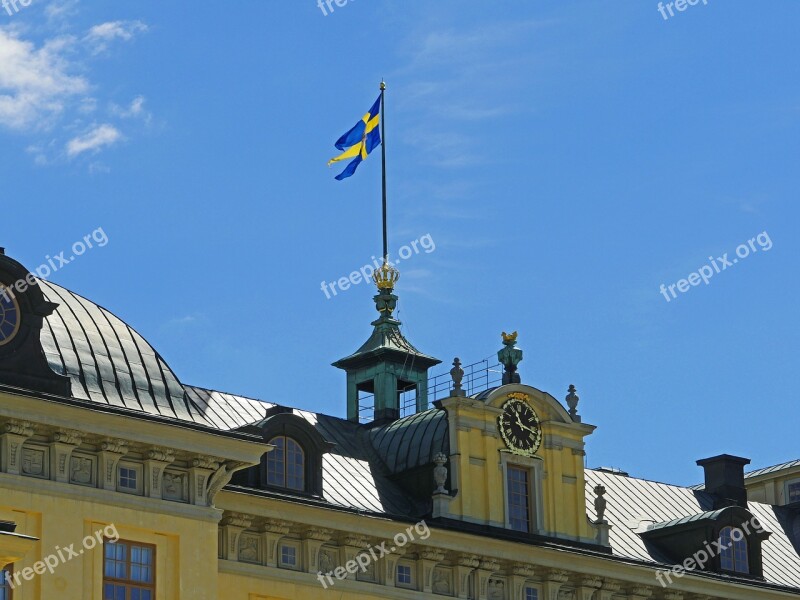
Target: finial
{"x":440,"y":473}
{"x":509,"y":339}
{"x":383,"y":85}
{"x":457,"y":373}
{"x":572,"y":402}
{"x":510,"y":356}
{"x":386,"y":277}
{"x":600,"y":503}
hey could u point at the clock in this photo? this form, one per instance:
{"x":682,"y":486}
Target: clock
{"x":9,"y":315}
{"x":520,"y":427}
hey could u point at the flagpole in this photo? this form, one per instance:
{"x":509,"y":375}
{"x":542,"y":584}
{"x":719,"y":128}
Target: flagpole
{"x":383,"y":155}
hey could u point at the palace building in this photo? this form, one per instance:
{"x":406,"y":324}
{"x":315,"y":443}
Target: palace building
{"x":119,"y":481}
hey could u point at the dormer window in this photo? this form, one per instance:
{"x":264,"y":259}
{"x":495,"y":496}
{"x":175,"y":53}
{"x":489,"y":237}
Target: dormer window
{"x":735,"y":534}
{"x":286,"y":464}
{"x":294,"y":462}
{"x":734,"y":550}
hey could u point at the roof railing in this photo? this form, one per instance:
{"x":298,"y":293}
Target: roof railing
{"x":478,"y":377}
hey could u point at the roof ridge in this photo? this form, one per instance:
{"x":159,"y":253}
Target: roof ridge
{"x":769,"y":468}
{"x":674,"y":485}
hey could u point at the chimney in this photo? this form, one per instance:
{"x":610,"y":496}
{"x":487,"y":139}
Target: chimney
{"x":725,"y":480}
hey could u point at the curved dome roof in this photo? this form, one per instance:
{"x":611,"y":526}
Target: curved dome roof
{"x":107,"y":361}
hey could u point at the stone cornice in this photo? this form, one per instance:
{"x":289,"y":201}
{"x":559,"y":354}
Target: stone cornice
{"x":68,"y":436}
{"x":18,"y":427}
{"x":115,"y":446}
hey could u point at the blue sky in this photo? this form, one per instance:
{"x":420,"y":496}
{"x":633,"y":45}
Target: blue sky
{"x":567,"y":159}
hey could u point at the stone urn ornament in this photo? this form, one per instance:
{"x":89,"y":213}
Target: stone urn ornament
{"x":440,"y":473}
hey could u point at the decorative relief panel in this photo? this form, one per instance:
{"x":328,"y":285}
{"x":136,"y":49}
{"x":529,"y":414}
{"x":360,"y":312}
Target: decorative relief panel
{"x":496,"y":589}
{"x":370,"y":573}
{"x":34,"y":462}
{"x":327,"y":559}
{"x":83,"y":469}
{"x":250,"y":548}
{"x":442,"y":582}
{"x":175,"y":486}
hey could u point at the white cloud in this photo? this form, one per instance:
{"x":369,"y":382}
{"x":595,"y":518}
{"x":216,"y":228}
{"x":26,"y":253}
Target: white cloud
{"x":98,"y":167}
{"x":465,"y":76}
{"x":35,"y":83}
{"x":59,"y":10}
{"x":46,"y":89}
{"x":99,"y":137}
{"x":135,"y":110}
{"x":100,"y":36}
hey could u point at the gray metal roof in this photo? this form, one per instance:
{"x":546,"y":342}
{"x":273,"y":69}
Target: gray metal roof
{"x":773,"y":469}
{"x":107,"y":361}
{"x":636,"y":504}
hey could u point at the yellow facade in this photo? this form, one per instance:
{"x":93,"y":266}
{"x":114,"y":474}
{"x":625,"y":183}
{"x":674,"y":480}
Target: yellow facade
{"x":777,"y":487}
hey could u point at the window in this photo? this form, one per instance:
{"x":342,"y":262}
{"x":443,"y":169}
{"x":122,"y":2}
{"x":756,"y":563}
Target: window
{"x":286,"y":464}
{"x":531,"y":593}
{"x":288,"y":556}
{"x":734,"y":550}
{"x":519,"y":504}
{"x":794,"y":492}
{"x":5,"y":584}
{"x":127,"y":478}
{"x":9,"y":315}
{"x":129,"y":571}
{"x":404,"y":575}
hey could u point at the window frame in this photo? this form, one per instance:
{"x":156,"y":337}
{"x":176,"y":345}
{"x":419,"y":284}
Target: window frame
{"x":290,"y":545}
{"x":734,"y":551}
{"x":530,"y":588}
{"x":524,"y":480}
{"x":129,"y":584}
{"x":4,"y":587}
{"x":401,"y":584}
{"x":287,"y":440}
{"x":534,"y":467}
{"x":139,"y":470}
{"x":789,"y":485}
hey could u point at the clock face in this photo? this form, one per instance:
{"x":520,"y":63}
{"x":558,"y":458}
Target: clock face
{"x":520,"y":428}
{"x":9,"y":316}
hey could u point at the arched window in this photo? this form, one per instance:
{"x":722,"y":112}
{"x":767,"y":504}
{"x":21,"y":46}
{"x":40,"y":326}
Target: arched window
{"x":734,"y":550}
{"x":286,"y":464}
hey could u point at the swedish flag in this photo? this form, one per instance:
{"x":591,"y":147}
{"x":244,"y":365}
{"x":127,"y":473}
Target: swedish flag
{"x":359,"y":141}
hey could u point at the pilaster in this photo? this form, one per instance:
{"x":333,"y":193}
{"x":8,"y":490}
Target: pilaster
{"x":111,"y":451}
{"x":15,"y":434}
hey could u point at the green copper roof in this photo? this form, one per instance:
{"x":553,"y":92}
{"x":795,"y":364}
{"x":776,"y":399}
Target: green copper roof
{"x":387,"y":342}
